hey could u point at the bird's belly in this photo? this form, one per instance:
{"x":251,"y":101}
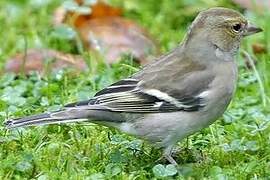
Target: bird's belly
{"x":165,"y":129}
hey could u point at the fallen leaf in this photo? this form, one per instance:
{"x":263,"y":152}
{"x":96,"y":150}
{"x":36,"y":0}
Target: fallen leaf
{"x":76,"y":18}
{"x":43,"y":60}
{"x":104,"y":32}
{"x":115,"y":36}
{"x":259,"y":48}
{"x":254,"y":5}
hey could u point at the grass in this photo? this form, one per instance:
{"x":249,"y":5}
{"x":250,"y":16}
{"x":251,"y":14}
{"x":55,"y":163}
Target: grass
{"x":237,"y":146}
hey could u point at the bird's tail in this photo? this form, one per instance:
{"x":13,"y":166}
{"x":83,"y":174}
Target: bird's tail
{"x":63,"y":116}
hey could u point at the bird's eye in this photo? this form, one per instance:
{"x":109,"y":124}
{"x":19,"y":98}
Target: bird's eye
{"x":236,"y":27}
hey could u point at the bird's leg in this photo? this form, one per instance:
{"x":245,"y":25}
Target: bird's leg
{"x":168,"y":155}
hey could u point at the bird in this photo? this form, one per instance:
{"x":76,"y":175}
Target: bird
{"x":176,"y":95}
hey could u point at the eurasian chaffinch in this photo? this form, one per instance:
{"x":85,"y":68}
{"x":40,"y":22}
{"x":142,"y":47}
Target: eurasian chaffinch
{"x":176,"y":95}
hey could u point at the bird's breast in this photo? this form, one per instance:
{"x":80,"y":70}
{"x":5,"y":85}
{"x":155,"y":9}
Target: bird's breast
{"x":222,"y":88}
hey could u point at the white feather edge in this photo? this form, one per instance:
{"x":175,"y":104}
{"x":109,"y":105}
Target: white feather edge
{"x":165,"y":97}
{"x":204,"y":94}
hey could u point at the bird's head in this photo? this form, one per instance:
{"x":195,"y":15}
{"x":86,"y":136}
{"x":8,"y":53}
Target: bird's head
{"x":221,"y":27}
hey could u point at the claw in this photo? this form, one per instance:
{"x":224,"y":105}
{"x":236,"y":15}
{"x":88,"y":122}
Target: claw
{"x":167,"y":154}
{"x":170,"y":159}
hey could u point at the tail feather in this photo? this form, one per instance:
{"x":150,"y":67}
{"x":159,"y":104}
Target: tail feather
{"x":45,"y":118}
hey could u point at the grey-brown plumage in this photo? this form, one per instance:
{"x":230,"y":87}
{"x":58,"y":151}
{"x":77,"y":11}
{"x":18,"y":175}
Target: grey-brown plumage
{"x":179,"y":94}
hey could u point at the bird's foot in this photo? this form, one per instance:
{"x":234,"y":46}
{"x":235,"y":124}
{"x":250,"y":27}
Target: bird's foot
{"x":167,"y":154}
{"x":170,"y":159}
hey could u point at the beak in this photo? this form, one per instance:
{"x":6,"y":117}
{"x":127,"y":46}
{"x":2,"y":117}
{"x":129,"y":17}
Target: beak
{"x":252,"y":29}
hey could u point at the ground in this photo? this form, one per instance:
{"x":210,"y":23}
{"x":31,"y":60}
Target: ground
{"x":237,"y":146}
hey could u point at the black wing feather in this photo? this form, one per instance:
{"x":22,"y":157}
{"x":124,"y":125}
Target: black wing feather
{"x":120,"y":86}
{"x":126,"y":96}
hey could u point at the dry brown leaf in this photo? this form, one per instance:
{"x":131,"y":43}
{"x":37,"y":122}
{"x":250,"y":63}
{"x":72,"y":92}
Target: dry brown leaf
{"x":106,"y":32}
{"x":254,"y":5}
{"x":43,"y":60}
{"x":114,"y":36}
{"x":259,"y":48}
{"x":98,"y":10}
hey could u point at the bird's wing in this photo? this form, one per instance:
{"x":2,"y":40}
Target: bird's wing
{"x":127,"y":96}
{"x":151,"y":91}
